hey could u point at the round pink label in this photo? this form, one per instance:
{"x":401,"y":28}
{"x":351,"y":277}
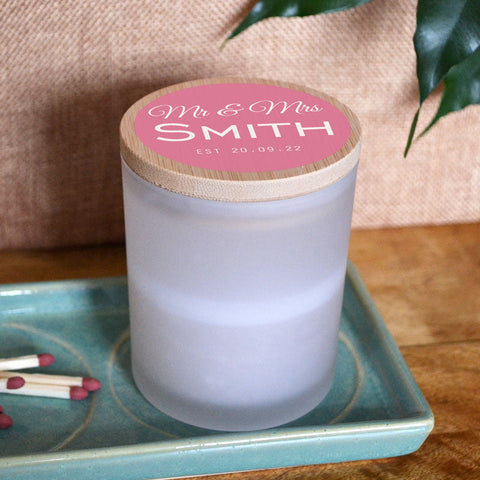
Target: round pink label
{"x":242,"y":127}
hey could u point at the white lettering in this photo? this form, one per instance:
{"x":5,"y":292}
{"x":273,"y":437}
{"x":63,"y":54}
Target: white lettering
{"x":274,"y":126}
{"x":251,"y":130}
{"x":301,"y":129}
{"x":161,"y":128}
{"x":166,"y":111}
{"x":230,"y":110}
{"x":232,"y":128}
{"x":174,"y":134}
{"x":268,"y":106}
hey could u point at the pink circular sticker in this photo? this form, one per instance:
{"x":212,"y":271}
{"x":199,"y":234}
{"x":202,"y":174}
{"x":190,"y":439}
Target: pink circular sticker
{"x":242,"y":127}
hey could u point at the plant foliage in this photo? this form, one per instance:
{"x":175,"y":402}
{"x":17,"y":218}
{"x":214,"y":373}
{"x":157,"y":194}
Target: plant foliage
{"x":447,"y":45}
{"x":292,"y":8}
{"x":447,"y":39}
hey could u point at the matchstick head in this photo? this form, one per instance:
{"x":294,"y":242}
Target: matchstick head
{"x":15,"y":382}
{"x":91,"y":384}
{"x":5,"y":421}
{"x":45,"y":359}
{"x":78,"y":393}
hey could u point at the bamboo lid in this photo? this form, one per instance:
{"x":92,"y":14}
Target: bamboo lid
{"x":240,"y":139}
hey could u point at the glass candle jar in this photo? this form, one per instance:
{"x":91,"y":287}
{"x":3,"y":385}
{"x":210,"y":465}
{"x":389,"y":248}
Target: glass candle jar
{"x":238,"y":197}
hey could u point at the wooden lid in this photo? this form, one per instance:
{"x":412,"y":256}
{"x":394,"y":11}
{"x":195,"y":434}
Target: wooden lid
{"x":240,"y":139}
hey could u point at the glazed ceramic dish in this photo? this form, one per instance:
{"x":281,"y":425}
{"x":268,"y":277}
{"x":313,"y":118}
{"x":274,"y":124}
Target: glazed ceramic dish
{"x":374,"y":409}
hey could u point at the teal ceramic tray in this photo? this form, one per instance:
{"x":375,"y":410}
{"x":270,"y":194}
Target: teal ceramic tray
{"x":375,"y":409}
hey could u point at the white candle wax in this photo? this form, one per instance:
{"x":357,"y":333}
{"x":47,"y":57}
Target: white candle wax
{"x":235,"y":307}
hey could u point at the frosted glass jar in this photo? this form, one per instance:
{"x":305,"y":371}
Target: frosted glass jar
{"x":235,"y":300}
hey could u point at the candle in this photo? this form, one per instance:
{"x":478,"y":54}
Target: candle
{"x":238,"y":199}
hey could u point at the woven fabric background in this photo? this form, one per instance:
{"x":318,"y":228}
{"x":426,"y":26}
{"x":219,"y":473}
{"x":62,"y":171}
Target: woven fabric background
{"x":70,"y":69}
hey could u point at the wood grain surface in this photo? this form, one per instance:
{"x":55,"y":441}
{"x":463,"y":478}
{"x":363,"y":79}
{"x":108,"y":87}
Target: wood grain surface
{"x":426,"y":282}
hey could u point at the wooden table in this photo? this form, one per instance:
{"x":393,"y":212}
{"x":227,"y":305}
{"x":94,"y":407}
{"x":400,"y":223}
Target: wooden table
{"x":426,"y":284}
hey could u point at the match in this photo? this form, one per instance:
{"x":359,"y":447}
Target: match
{"x":12,"y":383}
{"x":5,"y":421}
{"x":51,"y":391}
{"x":27,"y":361}
{"x":88,"y":383}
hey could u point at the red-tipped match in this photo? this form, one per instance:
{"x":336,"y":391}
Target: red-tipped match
{"x":78,"y":393}
{"x":45,"y":359}
{"x":91,"y":384}
{"x":15,"y":382}
{"x":5,"y":421}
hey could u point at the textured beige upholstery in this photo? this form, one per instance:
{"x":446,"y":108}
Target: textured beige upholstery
{"x":70,"y":69}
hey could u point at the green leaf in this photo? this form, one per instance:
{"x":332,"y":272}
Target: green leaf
{"x":448,"y":31}
{"x":412,"y":133}
{"x":462,"y":88}
{"x":292,"y":8}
